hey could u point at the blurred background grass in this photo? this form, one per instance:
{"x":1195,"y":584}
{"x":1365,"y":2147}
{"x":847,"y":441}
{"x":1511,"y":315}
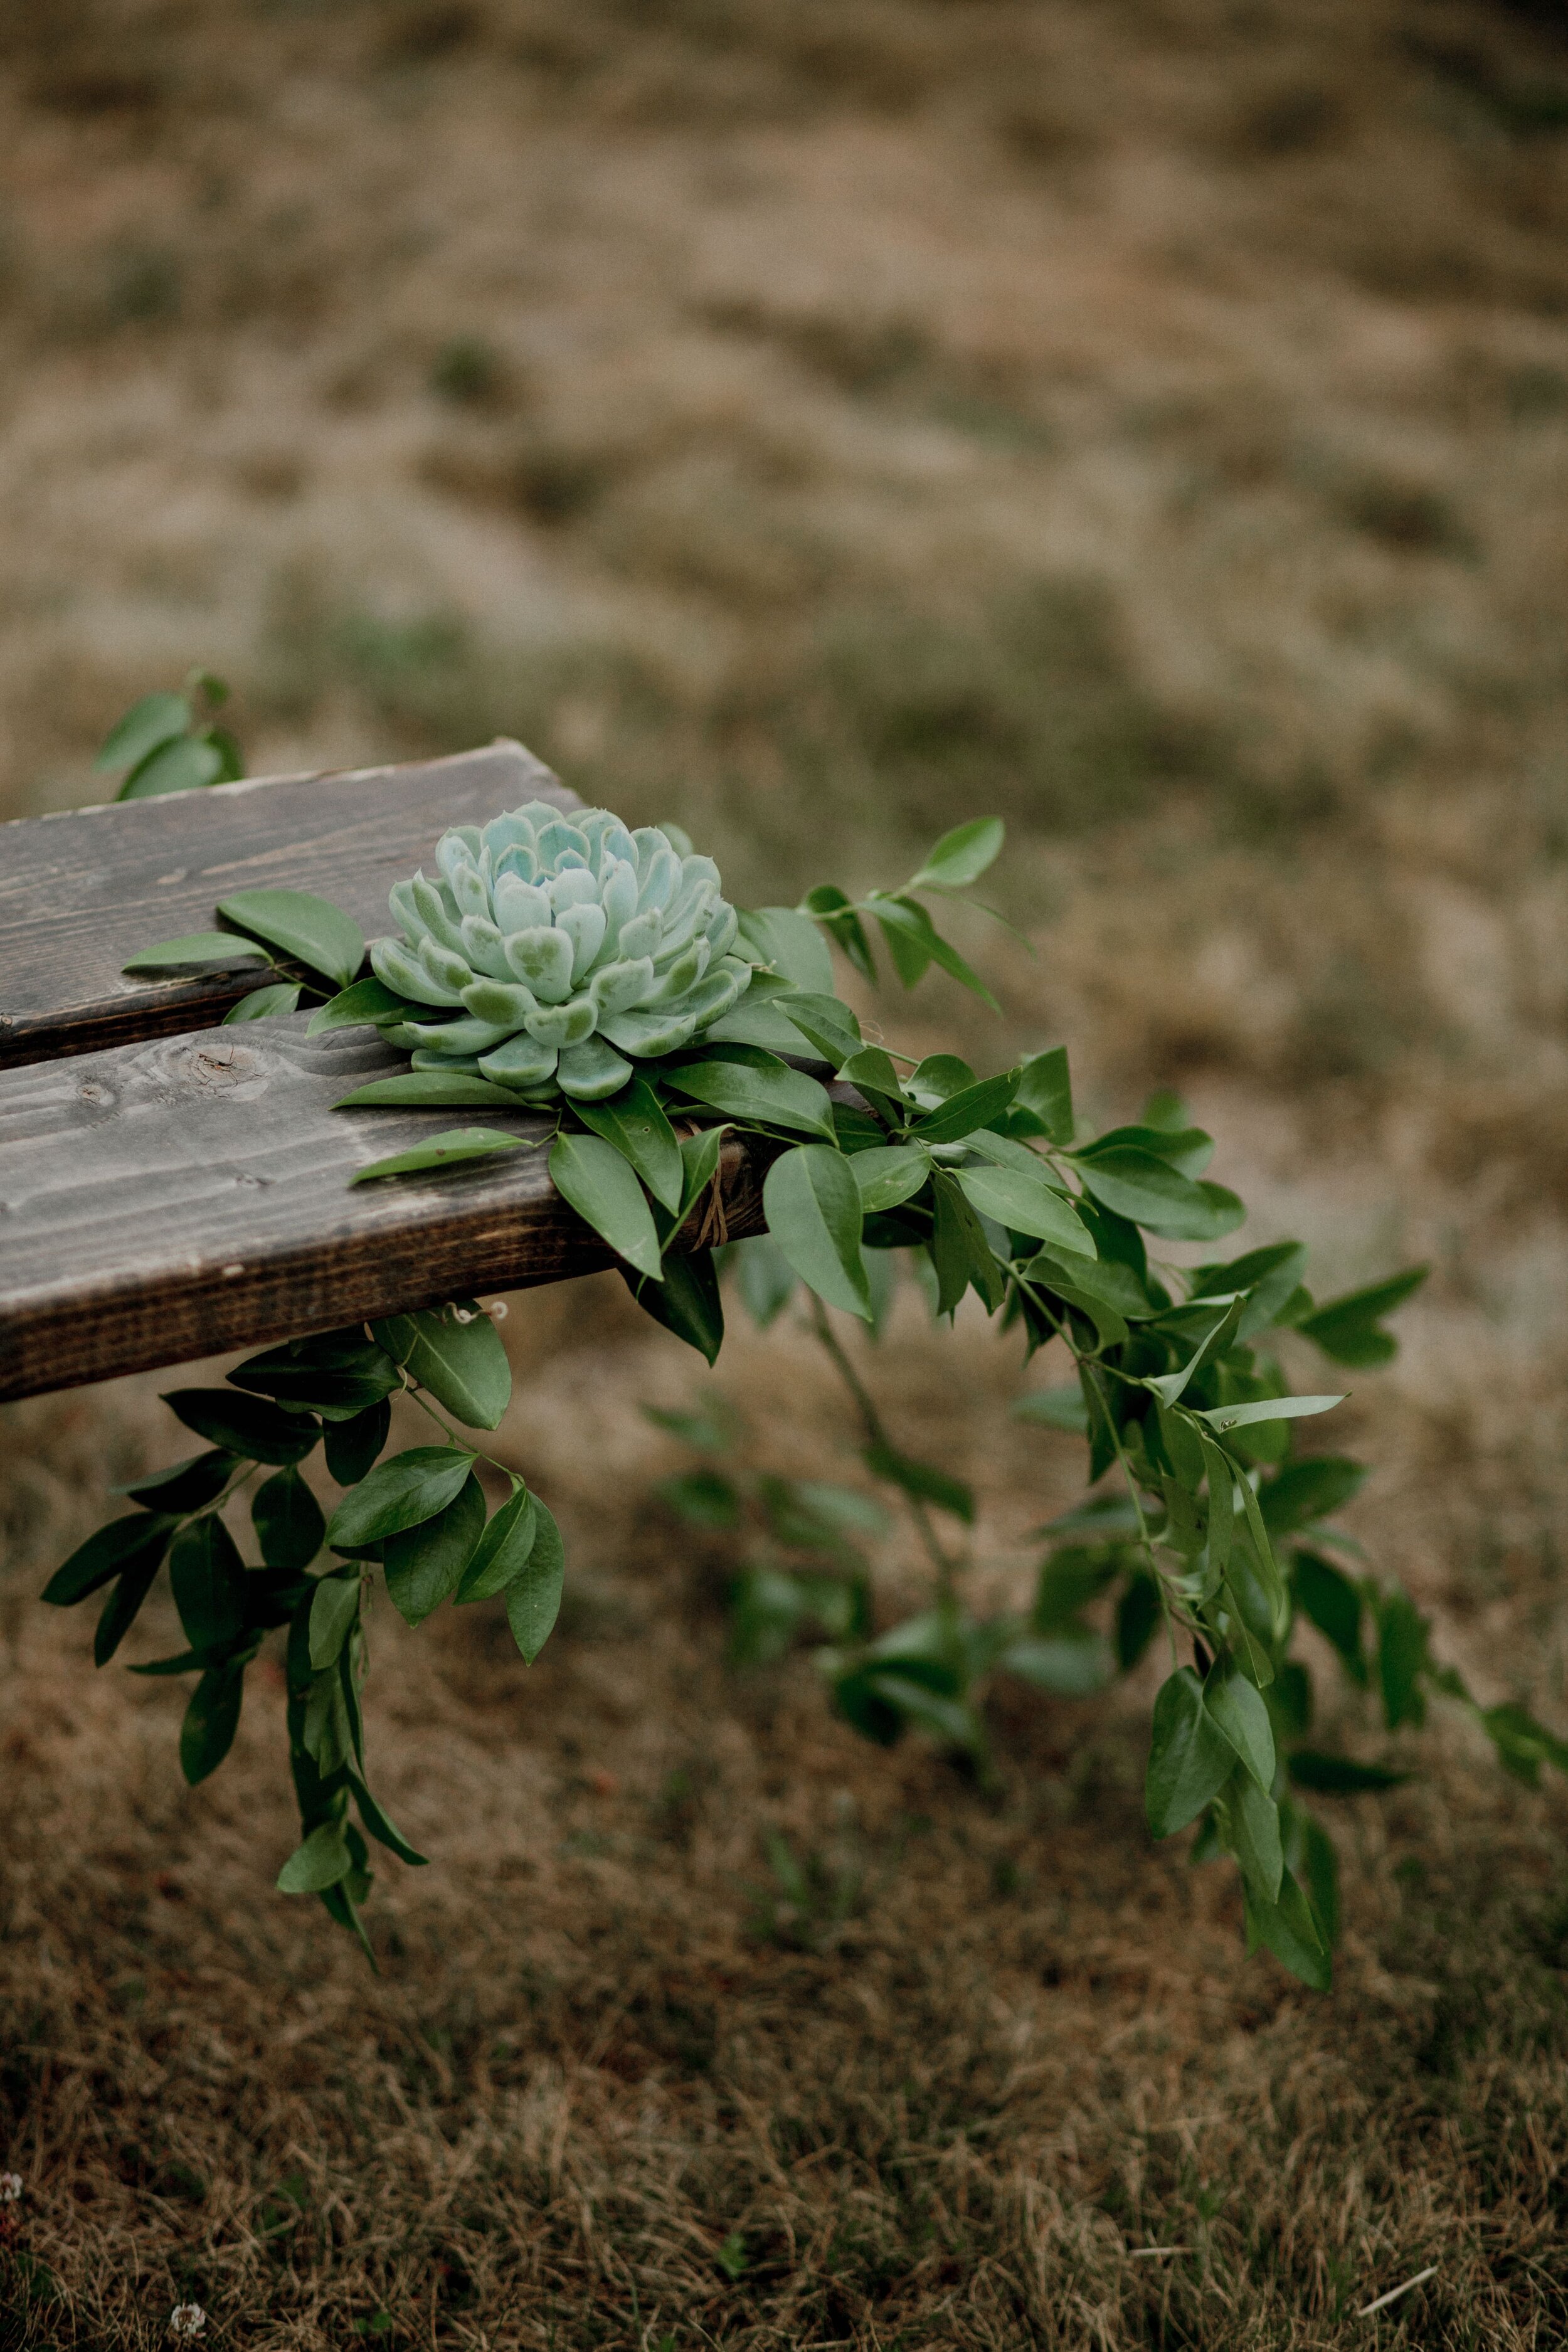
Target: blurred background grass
{"x":822,"y":423}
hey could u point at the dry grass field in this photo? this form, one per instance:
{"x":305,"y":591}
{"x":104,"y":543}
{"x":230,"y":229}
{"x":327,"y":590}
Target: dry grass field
{"x":820,"y":421}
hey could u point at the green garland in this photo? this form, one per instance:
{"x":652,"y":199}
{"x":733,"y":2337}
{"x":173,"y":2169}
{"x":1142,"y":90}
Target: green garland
{"x":1211,"y":1540}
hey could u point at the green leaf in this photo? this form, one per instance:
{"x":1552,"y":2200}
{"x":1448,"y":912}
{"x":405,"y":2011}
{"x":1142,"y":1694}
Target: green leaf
{"x":766,"y":1278}
{"x":429,"y":1091}
{"x":448,"y":1149}
{"x":188,"y":1485}
{"x":914,"y":942}
{"x":211,"y":1720}
{"x":1273,"y":1584}
{"x":688,"y":1301}
{"x":709,"y":1428}
{"x":1339,"y":1776}
{"x":198,"y":948}
{"x":1026,"y":1204}
{"x":960,"y":1250}
{"x":938,"y":1078}
{"x":634,"y":1123}
{"x":1290,"y":1930}
{"x":1221,"y":1417}
{"x":231,"y":770}
{"x":1089,"y":1285}
{"x":1255,"y":1835}
{"x":922,"y":1480}
{"x":1306,"y":1491}
{"x":1346,"y":1328}
{"x":1149,"y":1193}
{"x":866,"y":1710}
{"x":334,"y":1612}
{"x":843,"y":924}
{"x":704,"y":1498}
{"x":812,"y":1204}
{"x":366,"y":1002}
{"x":1522,"y":1744}
{"x":871,"y":1069}
{"x":792,"y":943}
{"x":1072,"y":1665}
{"x":382,"y":1828}
{"x":1104,"y":1518}
{"x":1138,"y":1614}
{"x":1045,"y":1091}
{"x":338,"y":1375}
{"x":352,"y":1445}
{"x":888,"y":1175}
{"x":1270,"y":1277}
{"x":1333,"y":1604}
{"x":262,"y":1004}
{"x":425,"y":1563}
{"x":1182,"y":1446}
{"x":595,"y":1181}
{"x":1309,"y":1854}
{"x":815,"y":1516}
{"x":533,"y":1598}
{"x":403,"y":1493}
{"x":311,"y":928}
{"x":321,"y":1862}
{"x":288,"y":1521}
{"x":1402,"y":1654}
{"x":962,"y":856}
{"x":972,"y":1108}
{"x":1238,"y":1709}
{"x":1190,"y":1759}
{"x":1186,"y":1149}
{"x":1059,"y":1408}
{"x":248,"y":1426}
{"x":748,"y":1084}
{"x":1170,"y":1387}
{"x":502,"y":1551}
{"x":1005,"y":1150}
{"x":907,"y":941}
{"x":186,"y":764}
{"x":131,"y":1587}
{"x":456,"y":1352}
{"x":759,"y":1020}
{"x":1223,"y":1482}
{"x":824,"y":1023}
{"x":156,"y":719}
{"x":208,"y":1577}
{"x":124,"y":1546}
{"x":700,"y":1158}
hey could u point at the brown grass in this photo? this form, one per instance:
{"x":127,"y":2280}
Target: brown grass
{"x":818,"y":422}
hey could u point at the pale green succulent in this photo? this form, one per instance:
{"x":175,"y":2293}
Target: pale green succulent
{"x":556,"y":951}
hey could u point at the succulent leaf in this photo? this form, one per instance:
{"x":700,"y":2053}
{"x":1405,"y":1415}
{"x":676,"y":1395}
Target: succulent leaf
{"x":551,"y":954}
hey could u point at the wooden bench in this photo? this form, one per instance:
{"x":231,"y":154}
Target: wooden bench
{"x":171,"y":1188}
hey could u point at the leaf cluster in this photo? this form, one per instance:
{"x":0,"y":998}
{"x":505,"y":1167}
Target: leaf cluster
{"x":171,"y":742}
{"x":1202,"y":1529}
{"x":417,"y":1519}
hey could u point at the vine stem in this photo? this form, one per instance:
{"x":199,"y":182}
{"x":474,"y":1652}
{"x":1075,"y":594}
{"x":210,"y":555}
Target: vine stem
{"x":877,"y":1434}
{"x":415,"y":1395}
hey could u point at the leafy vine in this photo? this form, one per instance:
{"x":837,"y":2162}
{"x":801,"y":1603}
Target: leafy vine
{"x":566,"y":964}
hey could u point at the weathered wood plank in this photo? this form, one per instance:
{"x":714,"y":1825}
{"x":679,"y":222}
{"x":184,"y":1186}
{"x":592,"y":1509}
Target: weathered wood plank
{"x":186,"y":1196}
{"x":82,"y":891}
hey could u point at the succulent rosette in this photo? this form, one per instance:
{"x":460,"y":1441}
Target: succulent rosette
{"x":554,"y":952}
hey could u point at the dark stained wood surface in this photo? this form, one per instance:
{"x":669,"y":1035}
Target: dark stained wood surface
{"x":189,"y":1194}
{"x":82,"y":891}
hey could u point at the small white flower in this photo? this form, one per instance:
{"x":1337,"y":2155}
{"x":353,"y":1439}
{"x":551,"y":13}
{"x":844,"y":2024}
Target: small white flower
{"x":187,"y":2319}
{"x":10,"y":2188}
